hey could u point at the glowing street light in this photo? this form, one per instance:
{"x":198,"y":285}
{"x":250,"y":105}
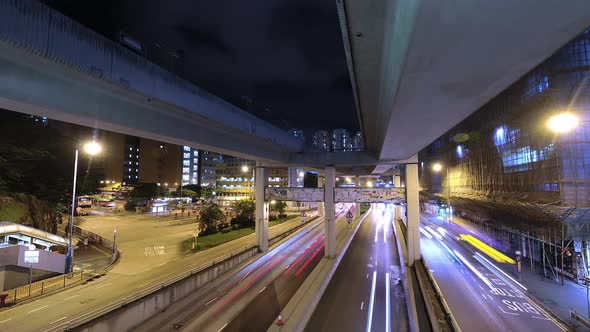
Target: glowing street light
{"x":301,"y":174}
{"x":437,"y":167}
{"x":244,"y":168}
{"x":563,"y":122}
{"x":273,"y":202}
{"x":369,"y":184}
{"x":92,"y":148}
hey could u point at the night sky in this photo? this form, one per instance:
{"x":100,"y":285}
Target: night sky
{"x":282,"y":60}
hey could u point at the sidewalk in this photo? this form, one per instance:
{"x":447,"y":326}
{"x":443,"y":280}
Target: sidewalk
{"x":557,"y":298}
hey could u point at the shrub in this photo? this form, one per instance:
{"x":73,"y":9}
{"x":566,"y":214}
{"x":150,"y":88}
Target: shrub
{"x":272,"y":217}
{"x":226,"y":230}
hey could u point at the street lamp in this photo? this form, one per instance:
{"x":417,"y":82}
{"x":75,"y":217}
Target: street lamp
{"x":245,"y":169}
{"x":563,"y":123}
{"x":301,"y":174}
{"x":114,"y":241}
{"x":31,"y":248}
{"x":92,"y":148}
{"x":369,"y":184}
{"x":437,"y":167}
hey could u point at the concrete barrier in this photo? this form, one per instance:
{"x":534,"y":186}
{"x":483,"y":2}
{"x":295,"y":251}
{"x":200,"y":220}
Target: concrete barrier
{"x":126,"y":313}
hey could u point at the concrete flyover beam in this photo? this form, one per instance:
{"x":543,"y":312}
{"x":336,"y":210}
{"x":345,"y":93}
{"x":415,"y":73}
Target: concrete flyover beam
{"x":419,"y":67}
{"x":52,"y":66}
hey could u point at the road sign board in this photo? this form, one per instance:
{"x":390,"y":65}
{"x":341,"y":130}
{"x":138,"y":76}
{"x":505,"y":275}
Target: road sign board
{"x":31,"y":256}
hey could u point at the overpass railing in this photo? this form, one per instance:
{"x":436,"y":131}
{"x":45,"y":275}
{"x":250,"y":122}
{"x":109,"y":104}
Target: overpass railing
{"x":341,"y":195}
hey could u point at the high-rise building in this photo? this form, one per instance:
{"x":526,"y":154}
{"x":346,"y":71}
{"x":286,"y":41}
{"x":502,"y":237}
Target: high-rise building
{"x":321,"y":141}
{"x":295,"y":177}
{"x":208,"y":163}
{"x":358,"y":143}
{"x":131,"y":161}
{"x":235,"y":177}
{"x":341,"y":140}
{"x":159,"y":163}
{"x":297,"y":133}
{"x":190,"y":166}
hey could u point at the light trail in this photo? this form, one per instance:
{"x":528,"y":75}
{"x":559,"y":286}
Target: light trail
{"x":474,"y":270}
{"x":371,"y":303}
{"x":493,"y":253}
{"x":387,"y":304}
{"x":504,"y":273}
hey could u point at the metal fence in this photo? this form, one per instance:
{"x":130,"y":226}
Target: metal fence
{"x":45,"y":286}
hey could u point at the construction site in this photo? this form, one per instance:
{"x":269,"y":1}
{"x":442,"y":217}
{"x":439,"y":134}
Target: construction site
{"x":504,"y":169}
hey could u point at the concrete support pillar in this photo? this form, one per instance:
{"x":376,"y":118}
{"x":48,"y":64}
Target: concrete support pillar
{"x":261,"y":208}
{"x":330,"y":221}
{"x":320,"y":204}
{"x":357,"y":206}
{"x":398,"y":209}
{"x":413,"y":213}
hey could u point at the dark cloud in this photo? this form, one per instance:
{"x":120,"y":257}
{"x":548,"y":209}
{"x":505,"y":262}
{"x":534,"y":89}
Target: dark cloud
{"x":285,"y":56}
{"x":197,"y":39}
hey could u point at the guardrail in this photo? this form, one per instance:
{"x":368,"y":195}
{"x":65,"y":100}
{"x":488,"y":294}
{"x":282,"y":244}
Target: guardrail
{"x":43,"y":287}
{"x":449,"y":317}
{"x":151,"y":289}
{"x":579,"y":320}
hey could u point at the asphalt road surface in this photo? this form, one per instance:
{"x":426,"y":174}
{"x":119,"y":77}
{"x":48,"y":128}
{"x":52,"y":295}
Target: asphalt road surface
{"x":252,"y":298}
{"x":365,"y":293}
{"x":481,"y":297}
{"x":59,"y":308}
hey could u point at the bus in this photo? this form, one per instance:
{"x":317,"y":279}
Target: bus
{"x":83,"y":205}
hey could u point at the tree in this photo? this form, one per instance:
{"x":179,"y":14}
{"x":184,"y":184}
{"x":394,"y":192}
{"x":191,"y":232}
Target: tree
{"x":245,"y":208}
{"x":278,"y":208}
{"x":147,"y":191}
{"x":185,"y":193}
{"x":210,"y":217}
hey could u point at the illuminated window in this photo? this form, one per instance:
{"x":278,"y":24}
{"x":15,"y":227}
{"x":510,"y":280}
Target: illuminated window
{"x":186,"y":155}
{"x":187,"y":148}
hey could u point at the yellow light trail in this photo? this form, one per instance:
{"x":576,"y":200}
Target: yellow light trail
{"x":491,"y":252}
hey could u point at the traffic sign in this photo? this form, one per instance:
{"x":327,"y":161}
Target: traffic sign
{"x":31,"y":256}
{"x":349,"y":217}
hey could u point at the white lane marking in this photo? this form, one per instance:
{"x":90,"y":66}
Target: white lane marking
{"x":101,"y":286}
{"x":370,"y":316}
{"x":483,"y":289}
{"x":210,"y":301}
{"x":497,"y":268}
{"x":262,"y":290}
{"x":376,"y":232}
{"x":45,"y":306}
{"x":71,"y":297}
{"x":286,"y":267}
{"x":474,"y":270}
{"x":6,"y":320}
{"x":508,"y":313}
{"x":483,"y":295}
{"x":362,"y":304}
{"x":367,"y":276}
{"x":384,"y":234}
{"x":221,"y":329}
{"x":387,"y":304}
{"x":57,"y":320}
{"x":544,"y":318}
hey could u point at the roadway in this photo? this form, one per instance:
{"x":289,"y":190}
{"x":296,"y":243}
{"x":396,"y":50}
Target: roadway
{"x":60,"y":307}
{"x":365,"y":293}
{"x":481,"y":296}
{"x":251,"y":299}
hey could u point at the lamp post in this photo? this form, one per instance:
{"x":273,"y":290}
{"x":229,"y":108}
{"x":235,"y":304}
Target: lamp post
{"x":114,"y":241}
{"x":92,"y":148}
{"x":437,"y":167}
{"x":31,"y":248}
{"x":562,"y":123}
{"x":245,"y":170}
